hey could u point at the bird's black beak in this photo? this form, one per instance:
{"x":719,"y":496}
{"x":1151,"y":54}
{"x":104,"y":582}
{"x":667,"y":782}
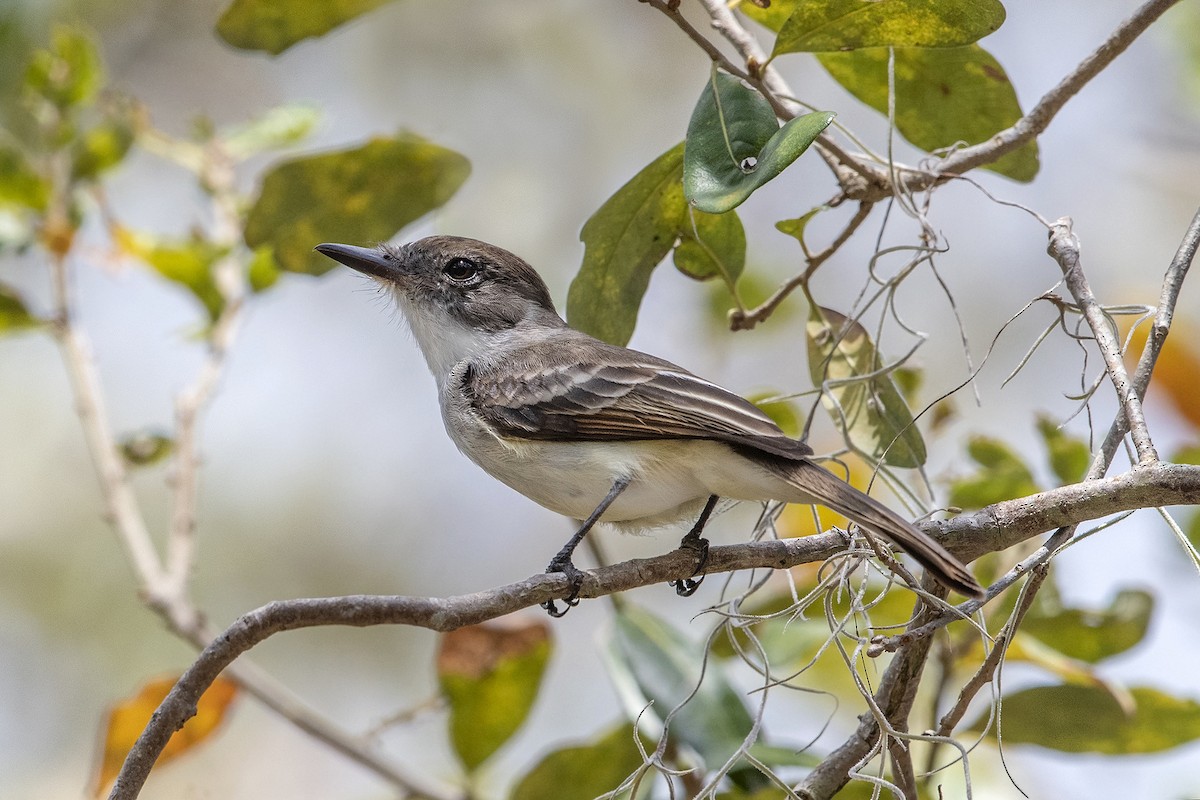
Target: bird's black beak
{"x":368,"y":260}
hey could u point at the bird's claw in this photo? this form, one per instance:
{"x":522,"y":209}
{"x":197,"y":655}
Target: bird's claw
{"x":686,"y":587}
{"x":574,"y":576}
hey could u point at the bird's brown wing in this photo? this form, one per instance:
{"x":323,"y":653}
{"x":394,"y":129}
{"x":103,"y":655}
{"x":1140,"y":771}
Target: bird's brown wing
{"x":626,"y":396}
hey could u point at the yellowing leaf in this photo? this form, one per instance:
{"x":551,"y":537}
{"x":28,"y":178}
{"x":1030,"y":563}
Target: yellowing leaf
{"x":864,"y":402}
{"x":364,"y":194}
{"x":276,"y":25}
{"x":67,"y":74}
{"x":188,"y":262}
{"x":1088,"y":719}
{"x":943,"y":96}
{"x":127,"y":720}
{"x":836,"y":25}
{"x":490,"y":676}
{"x":14,"y":316}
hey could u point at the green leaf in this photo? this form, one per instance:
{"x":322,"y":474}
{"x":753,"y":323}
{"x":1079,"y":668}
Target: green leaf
{"x":1069,"y":456}
{"x":188,"y":262}
{"x":1087,"y":719}
{"x":712,"y":246}
{"x":651,"y":662}
{"x":584,"y":771}
{"x":1187,"y":455}
{"x":263,"y":271}
{"x":1086,"y":634}
{"x":276,"y":25}
{"x":782,"y":412}
{"x":624,"y":241}
{"x":20,"y":184}
{"x":146,"y":447}
{"x":277,"y":128}
{"x":943,"y":96}
{"x":795,"y":227}
{"x":101,"y":148}
{"x":1004,"y":476}
{"x":361,"y":195}
{"x":69,"y":73}
{"x":870,"y":411}
{"x":838,"y":25}
{"x":14,"y":316}
{"x":490,"y":677}
{"x":735,"y":144}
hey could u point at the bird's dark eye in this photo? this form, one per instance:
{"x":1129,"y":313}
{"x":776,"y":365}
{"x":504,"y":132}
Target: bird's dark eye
{"x":461,"y":269}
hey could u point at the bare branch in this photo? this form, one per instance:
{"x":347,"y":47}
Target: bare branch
{"x":1172,"y":283}
{"x":1028,"y":127}
{"x":740,"y":320}
{"x":1064,"y":248}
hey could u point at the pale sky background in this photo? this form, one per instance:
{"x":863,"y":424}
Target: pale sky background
{"x":326,"y":467}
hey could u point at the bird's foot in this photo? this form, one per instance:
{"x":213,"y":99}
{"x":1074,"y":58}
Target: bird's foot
{"x":574,"y":576}
{"x":686,"y":587}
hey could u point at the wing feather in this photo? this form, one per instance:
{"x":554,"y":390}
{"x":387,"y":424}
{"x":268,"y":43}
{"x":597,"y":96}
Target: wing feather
{"x":624,"y":397}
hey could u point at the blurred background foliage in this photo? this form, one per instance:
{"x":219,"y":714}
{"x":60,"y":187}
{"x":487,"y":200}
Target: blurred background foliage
{"x":327,"y":473}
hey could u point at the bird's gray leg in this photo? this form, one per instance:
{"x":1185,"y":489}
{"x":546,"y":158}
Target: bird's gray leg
{"x":697,"y":543}
{"x":562,"y":562}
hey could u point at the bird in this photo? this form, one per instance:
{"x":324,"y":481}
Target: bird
{"x":592,"y":430}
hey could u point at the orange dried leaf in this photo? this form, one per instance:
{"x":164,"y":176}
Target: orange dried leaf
{"x":1176,"y":370}
{"x":127,"y":719}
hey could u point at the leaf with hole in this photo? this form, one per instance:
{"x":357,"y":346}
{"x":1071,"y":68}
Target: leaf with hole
{"x":863,"y":401}
{"x":735,"y":144}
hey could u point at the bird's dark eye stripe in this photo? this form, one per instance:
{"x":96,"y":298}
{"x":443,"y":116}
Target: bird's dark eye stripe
{"x":461,"y":269}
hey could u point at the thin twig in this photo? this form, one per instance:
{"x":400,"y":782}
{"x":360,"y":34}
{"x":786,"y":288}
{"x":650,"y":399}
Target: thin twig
{"x":1168,"y":297}
{"x":740,"y":320}
{"x":1028,"y":127}
{"x":228,"y":274}
{"x":1064,"y":248}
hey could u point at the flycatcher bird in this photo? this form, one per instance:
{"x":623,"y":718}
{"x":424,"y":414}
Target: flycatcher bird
{"x":597,"y":432}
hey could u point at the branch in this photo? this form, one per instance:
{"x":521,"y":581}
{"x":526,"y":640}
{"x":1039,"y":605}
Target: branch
{"x":1168,"y":297}
{"x":217,"y":174}
{"x":1028,"y":127}
{"x":995,"y":527}
{"x":1064,"y":248}
{"x":878,"y":184}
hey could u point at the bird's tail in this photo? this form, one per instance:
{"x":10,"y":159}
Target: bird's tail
{"x":828,"y":490}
